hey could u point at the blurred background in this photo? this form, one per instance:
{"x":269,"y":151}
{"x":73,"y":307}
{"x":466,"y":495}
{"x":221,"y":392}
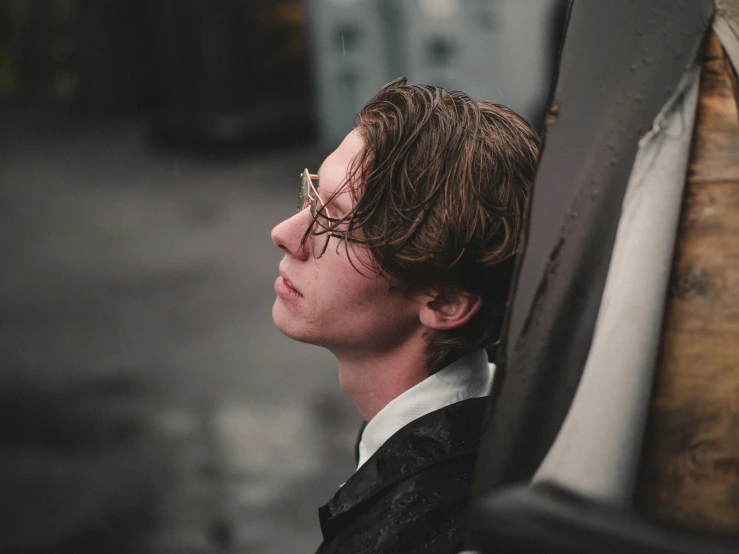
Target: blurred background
{"x":147,"y":148}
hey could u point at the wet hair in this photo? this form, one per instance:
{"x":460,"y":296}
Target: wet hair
{"x":439,"y":195}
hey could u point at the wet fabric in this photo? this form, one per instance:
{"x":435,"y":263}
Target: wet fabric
{"x":412,"y":494}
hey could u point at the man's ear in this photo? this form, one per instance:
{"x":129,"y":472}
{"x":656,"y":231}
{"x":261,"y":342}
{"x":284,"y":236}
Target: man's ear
{"x":449,"y":310}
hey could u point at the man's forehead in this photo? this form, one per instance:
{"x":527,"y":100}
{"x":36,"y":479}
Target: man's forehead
{"x":337,"y":166}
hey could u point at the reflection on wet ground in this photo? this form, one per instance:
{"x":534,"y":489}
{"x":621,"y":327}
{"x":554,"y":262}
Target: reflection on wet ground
{"x":149,"y":405}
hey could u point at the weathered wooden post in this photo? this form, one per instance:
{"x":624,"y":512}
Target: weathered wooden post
{"x":690,"y":470}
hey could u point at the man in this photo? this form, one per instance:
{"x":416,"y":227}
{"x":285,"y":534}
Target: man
{"x":398,"y":261}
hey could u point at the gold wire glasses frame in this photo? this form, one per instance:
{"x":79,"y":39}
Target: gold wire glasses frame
{"x":308,"y":197}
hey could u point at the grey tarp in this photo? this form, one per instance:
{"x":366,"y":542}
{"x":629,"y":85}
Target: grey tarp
{"x":597,"y":451}
{"x":620,"y":63}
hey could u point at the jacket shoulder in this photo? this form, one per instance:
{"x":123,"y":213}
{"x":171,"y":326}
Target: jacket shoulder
{"x":424,"y":513}
{"x":413,"y":496}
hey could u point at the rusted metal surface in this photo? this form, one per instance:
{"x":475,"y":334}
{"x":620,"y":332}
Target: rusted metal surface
{"x":620,"y":63}
{"x":690,"y":470}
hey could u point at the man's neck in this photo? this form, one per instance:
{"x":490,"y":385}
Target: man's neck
{"x":373,"y":380}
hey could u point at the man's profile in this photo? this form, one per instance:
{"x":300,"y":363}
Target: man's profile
{"x":398,"y":261}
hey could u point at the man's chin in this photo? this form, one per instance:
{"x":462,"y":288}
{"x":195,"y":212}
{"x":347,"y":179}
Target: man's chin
{"x":280,"y":318}
{"x":297,"y":337}
{"x":286,"y":323}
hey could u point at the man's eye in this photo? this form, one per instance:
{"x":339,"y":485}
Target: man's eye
{"x":320,"y":222}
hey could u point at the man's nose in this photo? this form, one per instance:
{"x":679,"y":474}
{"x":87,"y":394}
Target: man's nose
{"x":288,"y":235}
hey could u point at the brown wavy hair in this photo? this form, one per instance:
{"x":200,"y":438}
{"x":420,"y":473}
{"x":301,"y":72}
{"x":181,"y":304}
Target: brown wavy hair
{"x":439,"y":197}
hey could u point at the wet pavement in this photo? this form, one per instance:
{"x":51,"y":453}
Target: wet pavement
{"x":153,"y":406}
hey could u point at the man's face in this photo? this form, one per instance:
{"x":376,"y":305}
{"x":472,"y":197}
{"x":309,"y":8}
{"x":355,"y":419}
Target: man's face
{"x":327,"y":301}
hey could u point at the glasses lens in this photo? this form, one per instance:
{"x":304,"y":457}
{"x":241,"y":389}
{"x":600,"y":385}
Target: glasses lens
{"x":304,"y":192}
{"x":307,"y":198}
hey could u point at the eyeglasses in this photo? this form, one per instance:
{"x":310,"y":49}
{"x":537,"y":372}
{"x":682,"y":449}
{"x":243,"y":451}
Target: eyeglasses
{"x":308,"y":197}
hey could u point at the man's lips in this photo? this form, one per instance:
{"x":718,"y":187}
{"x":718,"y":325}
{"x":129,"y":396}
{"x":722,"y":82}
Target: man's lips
{"x":284,"y":288}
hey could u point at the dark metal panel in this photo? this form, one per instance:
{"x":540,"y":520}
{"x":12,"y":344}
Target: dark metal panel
{"x":620,"y":63}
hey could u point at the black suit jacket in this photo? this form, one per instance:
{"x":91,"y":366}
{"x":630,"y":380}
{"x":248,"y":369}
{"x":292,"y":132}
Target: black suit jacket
{"x":411,"y":495}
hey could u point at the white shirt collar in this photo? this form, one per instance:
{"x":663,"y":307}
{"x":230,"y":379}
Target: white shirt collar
{"x":471,"y":376}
